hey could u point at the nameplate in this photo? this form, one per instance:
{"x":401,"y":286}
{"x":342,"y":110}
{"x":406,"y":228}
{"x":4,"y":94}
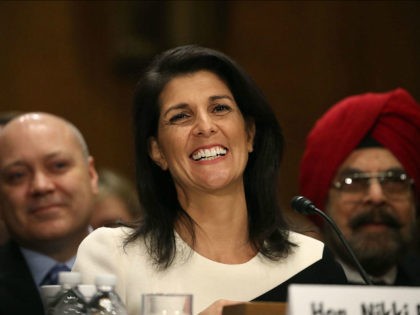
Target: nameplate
{"x":352,"y":300}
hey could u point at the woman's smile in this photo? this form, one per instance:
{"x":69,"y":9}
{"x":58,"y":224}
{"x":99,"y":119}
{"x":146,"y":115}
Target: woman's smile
{"x":210,"y":153}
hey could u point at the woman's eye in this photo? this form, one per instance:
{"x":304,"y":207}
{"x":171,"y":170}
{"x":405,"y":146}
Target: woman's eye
{"x":178,"y":117}
{"x":221,"y":108}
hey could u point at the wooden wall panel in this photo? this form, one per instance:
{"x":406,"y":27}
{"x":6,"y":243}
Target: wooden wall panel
{"x":305,"y":55}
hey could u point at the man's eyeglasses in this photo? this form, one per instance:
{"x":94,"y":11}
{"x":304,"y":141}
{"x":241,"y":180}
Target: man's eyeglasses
{"x":393,"y":182}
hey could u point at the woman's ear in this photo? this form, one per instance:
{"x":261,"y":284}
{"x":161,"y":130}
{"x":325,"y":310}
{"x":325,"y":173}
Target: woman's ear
{"x":156,"y":154}
{"x":250,"y":129}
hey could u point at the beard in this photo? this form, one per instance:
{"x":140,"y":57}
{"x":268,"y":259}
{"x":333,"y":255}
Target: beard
{"x":376,"y":251}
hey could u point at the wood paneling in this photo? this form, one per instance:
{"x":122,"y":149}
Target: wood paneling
{"x":57,"y":56}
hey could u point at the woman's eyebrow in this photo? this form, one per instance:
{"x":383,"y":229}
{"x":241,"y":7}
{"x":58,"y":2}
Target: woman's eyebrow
{"x":218,"y":97}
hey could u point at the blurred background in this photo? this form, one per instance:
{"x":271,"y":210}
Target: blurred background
{"x":81,"y":59}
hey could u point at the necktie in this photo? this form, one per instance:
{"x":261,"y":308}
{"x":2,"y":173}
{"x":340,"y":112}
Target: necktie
{"x":52,"y":275}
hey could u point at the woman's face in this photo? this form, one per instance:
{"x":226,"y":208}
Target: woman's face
{"x":202,"y":139}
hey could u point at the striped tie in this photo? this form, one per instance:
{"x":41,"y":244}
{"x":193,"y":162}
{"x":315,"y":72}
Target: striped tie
{"x":52,"y":275}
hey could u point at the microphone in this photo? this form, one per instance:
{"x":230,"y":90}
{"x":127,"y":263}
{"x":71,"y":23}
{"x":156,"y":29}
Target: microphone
{"x":304,"y":206}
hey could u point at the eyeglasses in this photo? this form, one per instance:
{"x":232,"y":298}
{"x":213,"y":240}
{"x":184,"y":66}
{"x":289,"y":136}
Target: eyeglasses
{"x":393,"y":182}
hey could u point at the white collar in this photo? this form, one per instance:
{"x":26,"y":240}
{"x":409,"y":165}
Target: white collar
{"x":354,"y":276}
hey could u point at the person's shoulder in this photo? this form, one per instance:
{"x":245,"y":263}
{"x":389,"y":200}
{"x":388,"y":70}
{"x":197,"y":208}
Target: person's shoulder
{"x":306,"y":251}
{"x":307,"y":248}
{"x":9,"y":252}
{"x":7,"y":246}
{"x":112,"y":231}
{"x":324,"y":268}
{"x":408,"y":269}
{"x":108,"y":234}
{"x":4,"y":249}
{"x":302,"y":240}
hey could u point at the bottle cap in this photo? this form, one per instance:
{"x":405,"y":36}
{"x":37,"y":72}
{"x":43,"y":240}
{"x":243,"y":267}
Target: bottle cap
{"x":69,"y":277}
{"x":106,"y":279}
{"x":87,"y":290}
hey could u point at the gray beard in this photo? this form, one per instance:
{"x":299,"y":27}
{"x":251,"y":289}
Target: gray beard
{"x":376,"y":252}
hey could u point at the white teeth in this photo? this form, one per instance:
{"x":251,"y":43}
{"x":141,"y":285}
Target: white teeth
{"x":208,"y":154}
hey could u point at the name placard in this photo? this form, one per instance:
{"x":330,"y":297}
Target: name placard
{"x":352,"y":300}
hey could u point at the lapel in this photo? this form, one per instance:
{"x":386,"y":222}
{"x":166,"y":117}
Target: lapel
{"x":18,"y":292}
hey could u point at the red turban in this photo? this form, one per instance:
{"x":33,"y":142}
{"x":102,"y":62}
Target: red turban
{"x":392,"y":119}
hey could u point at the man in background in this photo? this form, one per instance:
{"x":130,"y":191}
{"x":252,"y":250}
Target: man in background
{"x":47,"y":187}
{"x":362,"y":166}
{"x":116,"y":202}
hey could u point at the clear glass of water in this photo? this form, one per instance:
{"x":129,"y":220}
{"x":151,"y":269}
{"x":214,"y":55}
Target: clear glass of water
{"x":166,"y":304}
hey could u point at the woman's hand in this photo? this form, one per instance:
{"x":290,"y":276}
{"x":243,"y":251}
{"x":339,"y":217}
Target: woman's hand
{"x":217,"y":307}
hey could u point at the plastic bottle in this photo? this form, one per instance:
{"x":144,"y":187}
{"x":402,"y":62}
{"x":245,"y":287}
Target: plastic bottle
{"x":69,"y":300}
{"x":48,"y":295}
{"x":87,"y":290}
{"x":106,"y":301}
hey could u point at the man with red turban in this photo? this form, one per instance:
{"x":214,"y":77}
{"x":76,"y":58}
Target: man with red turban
{"x":362,"y":166}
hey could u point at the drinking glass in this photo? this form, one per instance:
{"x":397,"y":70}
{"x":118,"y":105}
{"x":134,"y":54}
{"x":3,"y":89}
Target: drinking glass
{"x":166,"y":304}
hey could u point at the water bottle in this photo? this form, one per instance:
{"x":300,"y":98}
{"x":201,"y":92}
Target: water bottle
{"x":48,"y":295}
{"x":87,"y":290}
{"x":106,"y":301}
{"x":69,"y":300}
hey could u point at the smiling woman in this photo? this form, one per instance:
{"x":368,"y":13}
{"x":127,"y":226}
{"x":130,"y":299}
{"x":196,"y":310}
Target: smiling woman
{"x":207,"y":126}
{"x":208,"y":150}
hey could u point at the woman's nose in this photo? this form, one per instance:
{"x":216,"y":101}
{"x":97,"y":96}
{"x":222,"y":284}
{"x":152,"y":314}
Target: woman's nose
{"x":204,"y":126}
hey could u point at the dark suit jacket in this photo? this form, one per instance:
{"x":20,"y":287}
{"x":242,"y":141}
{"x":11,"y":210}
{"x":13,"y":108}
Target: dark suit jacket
{"x":409,"y":271}
{"x":19,"y":294}
{"x":324,"y":271}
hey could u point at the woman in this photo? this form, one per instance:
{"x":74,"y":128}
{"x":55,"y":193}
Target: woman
{"x":207,"y":154}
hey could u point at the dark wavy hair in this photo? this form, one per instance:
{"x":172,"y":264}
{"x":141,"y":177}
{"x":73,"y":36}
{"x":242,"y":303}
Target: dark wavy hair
{"x":268,"y":231}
